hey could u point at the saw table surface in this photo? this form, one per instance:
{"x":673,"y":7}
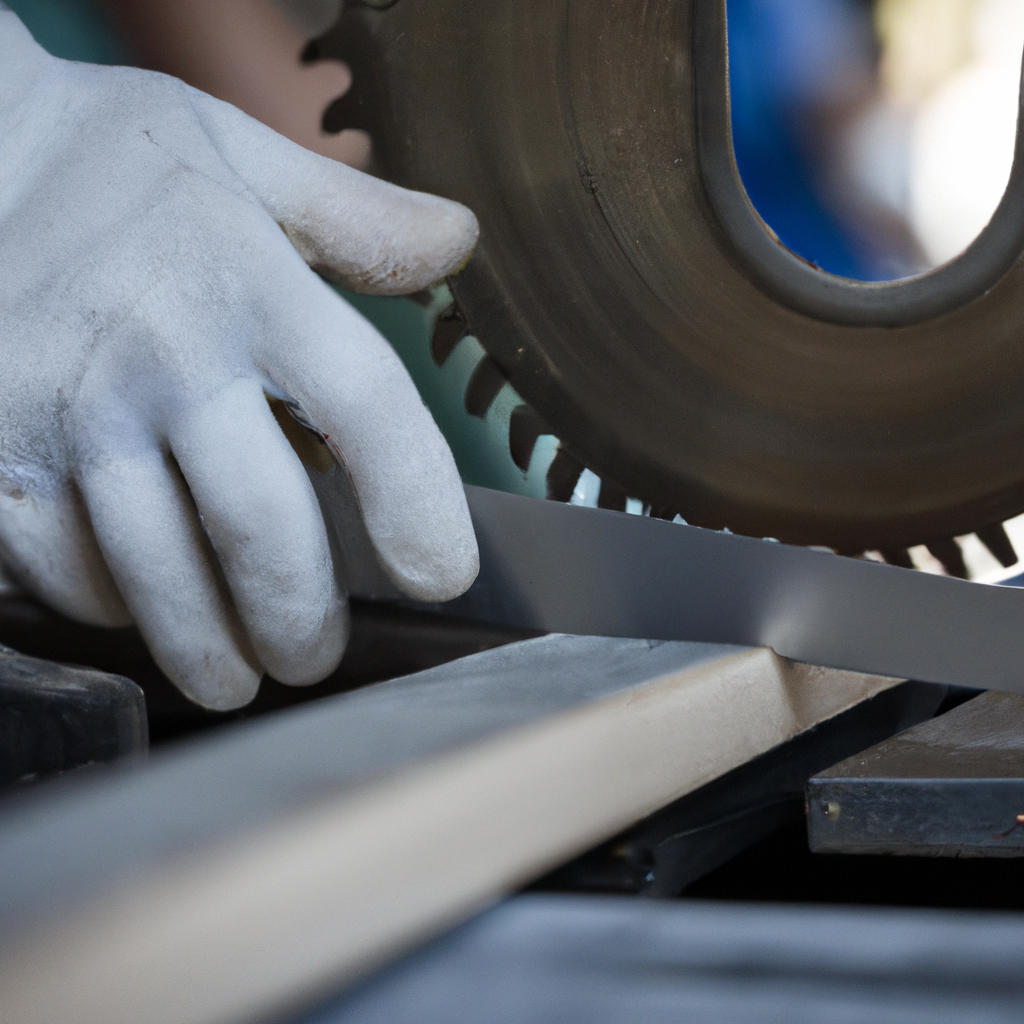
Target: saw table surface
{"x":952,"y":786}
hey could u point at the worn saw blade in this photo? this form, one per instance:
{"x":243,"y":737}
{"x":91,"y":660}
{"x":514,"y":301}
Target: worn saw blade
{"x":629,"y":292}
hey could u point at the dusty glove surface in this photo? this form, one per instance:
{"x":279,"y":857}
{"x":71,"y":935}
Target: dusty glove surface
{"x":154,"y":290}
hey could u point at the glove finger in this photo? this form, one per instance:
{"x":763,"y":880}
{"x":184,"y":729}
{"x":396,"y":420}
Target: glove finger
{"x":149,"y":532}
{"x":359,"y":231}
{"x":48,"y":545}
{"x":261,"y":515}
{"x":351,"y":385}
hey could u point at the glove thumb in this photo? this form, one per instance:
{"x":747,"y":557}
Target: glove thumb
{"x":361,"y":232}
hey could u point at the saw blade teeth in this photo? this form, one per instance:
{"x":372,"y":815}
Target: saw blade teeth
{"x":483,"y":387}
{"x":898,"y":556}
{"x":423,"y":298}
{"x":663,"y":512}
{"x":347,"y":41}
{"x":449,"y":329}
{"x":949,"y":554}
{"x":524,"y":430}
{"x":563,"y":475}
{"x":997,"y":540}
{"x":348,"y":111}
{"x":971,"y":556}
{"x":566,"y":474}
{"x":611,"y":497}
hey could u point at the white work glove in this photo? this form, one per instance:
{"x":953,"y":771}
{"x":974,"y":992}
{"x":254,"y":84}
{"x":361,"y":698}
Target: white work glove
{"x":154,"y":289}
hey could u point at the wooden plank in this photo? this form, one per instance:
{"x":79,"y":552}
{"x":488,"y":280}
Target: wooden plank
{"x":248,"y":872}
{"x":666,"y":852}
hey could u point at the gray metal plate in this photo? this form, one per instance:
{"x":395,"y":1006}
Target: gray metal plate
{"x":952,"y":786}
{"x":592,"y":960}
{"x":556,"y":567}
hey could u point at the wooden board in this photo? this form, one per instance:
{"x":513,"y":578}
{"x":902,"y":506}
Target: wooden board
{"x":246,"y":873}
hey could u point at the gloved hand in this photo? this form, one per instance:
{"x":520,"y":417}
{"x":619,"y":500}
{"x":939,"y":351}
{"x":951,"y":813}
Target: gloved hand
{"x":154,"y":289}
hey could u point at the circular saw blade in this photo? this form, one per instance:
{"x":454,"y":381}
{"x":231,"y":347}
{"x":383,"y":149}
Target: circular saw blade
{"x":629,"y":293}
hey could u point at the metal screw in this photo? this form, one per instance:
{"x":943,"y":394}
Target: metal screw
{"x":1018,"y":821}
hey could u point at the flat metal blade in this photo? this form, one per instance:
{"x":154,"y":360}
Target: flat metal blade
{"x":562,"y":568}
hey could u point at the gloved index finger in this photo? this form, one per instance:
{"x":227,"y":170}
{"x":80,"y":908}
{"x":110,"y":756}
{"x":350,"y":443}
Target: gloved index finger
{"x":367,"y":234}
{"x":351,"y":386}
